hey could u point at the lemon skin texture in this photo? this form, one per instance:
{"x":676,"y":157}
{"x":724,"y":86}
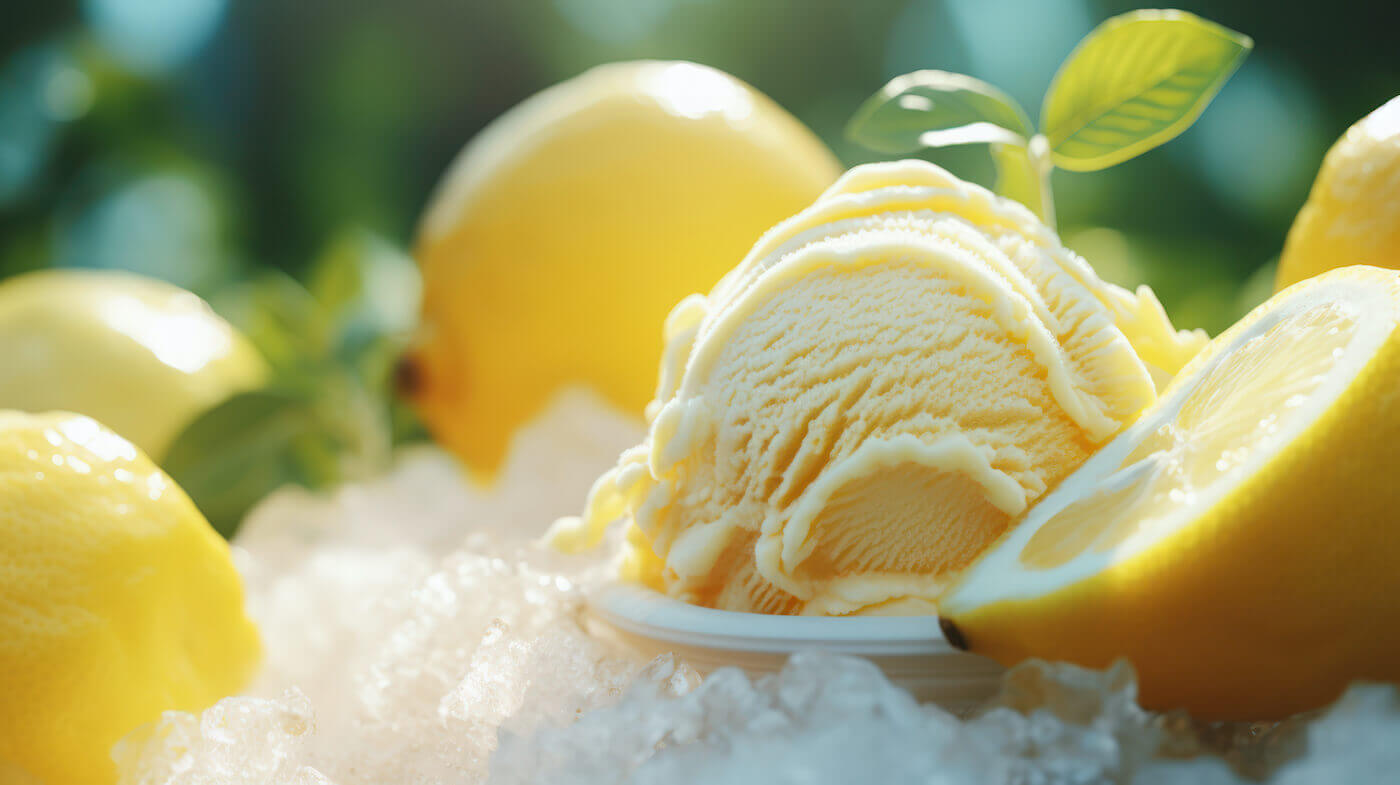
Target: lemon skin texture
{"x":139,"y":355}
{"x":1352,"y":215}
{"x":117,"y":599}
{"x":563,"y":234}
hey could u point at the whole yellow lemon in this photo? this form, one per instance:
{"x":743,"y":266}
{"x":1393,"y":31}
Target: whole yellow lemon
{"x":1352,"y":215}
{"x":141,"y":356}
{"x":117,"y":599}
{"x":564,"y":233}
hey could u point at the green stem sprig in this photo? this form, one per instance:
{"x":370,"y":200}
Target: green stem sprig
{"x":1135,"y":82}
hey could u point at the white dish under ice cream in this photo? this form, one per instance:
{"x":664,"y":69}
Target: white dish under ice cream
{"x":910,"y":650}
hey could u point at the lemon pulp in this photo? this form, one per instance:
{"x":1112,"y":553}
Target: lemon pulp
{"x":1207,"y":442}
{"x":1237,"y":542}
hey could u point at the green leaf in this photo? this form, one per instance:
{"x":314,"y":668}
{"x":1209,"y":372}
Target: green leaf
{"x":937,"y":109}
{"x":361,"y":275}
{"x":236,"y":453}
{"x":370,"y":290}
{"x":291,"y":328}
{"x":1135,"y":82}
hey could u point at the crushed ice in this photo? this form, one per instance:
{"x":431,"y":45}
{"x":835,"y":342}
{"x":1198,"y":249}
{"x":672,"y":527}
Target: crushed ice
{"x":415,"y":636}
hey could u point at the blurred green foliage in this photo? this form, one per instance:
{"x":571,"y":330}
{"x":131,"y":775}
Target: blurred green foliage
{"x":274,"y":156}
{"x":329,"y":414}
{"x":285,"y":123}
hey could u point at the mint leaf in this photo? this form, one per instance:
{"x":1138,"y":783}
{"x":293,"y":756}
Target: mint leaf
{"x":288,"y":325}
{"x":1135,"y":82}
{"x":238,"y":452}
{"x":937,"y":109}
{"x":235,"y":454}
{"x":360,"y":276}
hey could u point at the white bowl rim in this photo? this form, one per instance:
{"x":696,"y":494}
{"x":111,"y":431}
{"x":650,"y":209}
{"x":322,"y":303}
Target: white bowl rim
{"x":642,"y":611}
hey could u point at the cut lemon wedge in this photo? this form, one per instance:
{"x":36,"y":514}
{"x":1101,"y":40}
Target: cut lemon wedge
{"x":1240,"y":543}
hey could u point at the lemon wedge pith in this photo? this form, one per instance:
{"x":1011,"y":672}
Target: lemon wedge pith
{"x":1239,"y":542}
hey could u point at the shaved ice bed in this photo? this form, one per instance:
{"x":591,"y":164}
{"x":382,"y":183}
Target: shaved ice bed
{"x":415,"y":635}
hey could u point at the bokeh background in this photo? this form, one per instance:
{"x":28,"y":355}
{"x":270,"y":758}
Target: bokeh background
{"x":252,"y":150}
{"x":199,"y":140}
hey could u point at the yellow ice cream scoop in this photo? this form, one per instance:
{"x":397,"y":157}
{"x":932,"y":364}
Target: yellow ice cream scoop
{"x":897,"y":190}
{"x":1352,"y":215}
{"x":562,"y":234}
{"x":1238,"y":542}
{"x":117,"y":600}
{"x":140,"y":355}
{"x":869,"y":398}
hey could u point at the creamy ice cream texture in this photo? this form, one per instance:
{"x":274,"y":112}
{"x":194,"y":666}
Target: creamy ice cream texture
{"x":871,"y":396}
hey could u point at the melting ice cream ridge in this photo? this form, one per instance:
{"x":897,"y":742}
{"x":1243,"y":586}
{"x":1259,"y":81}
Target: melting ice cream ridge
{"x":871,"y":396}
{"x":915,"y":186}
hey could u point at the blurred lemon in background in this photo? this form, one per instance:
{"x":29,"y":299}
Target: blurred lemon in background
{"x":140,"y":355}
{"x":117,"y":600}
{"x":1352,"y":215}
{"x":562,"y":236}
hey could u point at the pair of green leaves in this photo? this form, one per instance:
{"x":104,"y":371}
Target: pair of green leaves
{"x":328,"y":414}
{"x":1135,"y":82}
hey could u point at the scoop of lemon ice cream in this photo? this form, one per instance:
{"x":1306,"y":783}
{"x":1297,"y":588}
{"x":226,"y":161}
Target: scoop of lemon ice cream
{"x":869,"y":398}
{"x":876,"y":194}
